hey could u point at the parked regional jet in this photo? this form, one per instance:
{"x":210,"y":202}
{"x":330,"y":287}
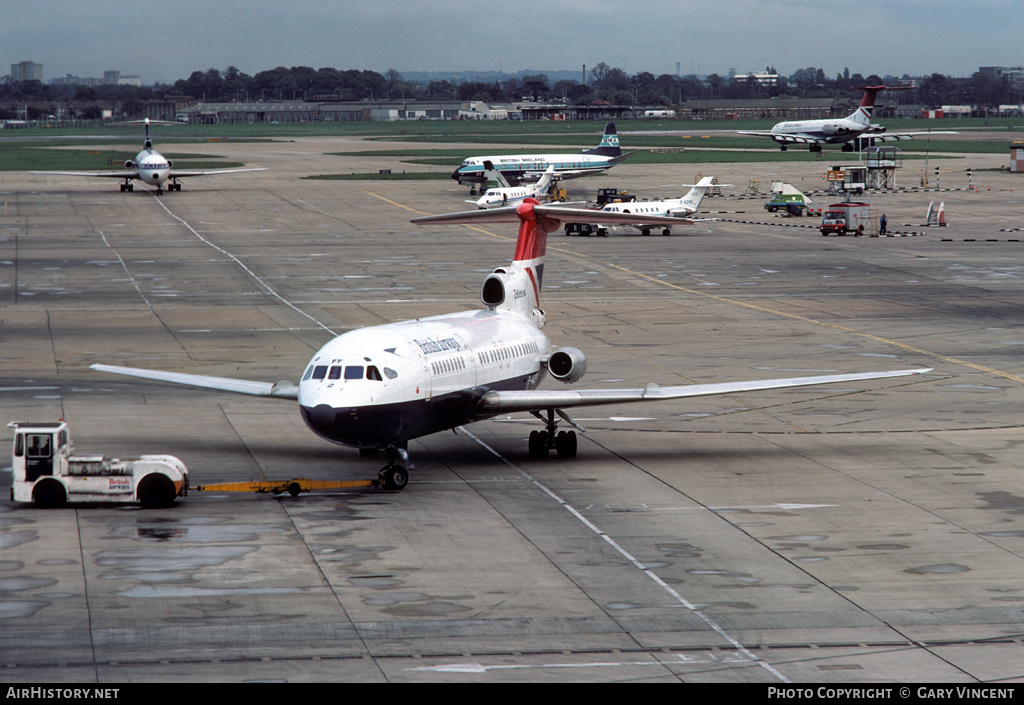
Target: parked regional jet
{"x":857,"y":124}
{"x":379,"y":387}
{"x":516,"y":168}
{"x":506,"y":195}
{"x":151,"y":168}
{"x":672,"y":207}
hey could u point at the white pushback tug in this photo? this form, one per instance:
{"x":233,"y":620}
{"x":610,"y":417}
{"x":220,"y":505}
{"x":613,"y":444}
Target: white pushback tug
{"x":45,"y":471}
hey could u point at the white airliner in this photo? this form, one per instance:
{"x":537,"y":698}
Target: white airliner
{"x":516,"y":168}
{"x":857,"y":124}
{"x":505,"y":195}
{"x":377,"y":388}
{"x":671,"y":207}
{"x":150,"y":167}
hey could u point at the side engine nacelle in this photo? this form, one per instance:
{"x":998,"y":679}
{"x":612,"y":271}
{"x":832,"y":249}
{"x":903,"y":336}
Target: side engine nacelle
{"x":567,"y":364}
{"x":129,"y":164}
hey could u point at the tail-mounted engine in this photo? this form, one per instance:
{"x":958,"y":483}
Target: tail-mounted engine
{"x":567,"y":364}
{"x":494,"y":290}
{"x":510,"y":291}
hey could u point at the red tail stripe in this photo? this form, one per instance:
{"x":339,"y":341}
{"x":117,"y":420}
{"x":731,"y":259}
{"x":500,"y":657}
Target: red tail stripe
{"x":533,"y":238}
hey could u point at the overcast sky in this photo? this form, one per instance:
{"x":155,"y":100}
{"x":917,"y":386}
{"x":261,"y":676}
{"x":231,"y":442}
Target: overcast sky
{"x":167,"y":40}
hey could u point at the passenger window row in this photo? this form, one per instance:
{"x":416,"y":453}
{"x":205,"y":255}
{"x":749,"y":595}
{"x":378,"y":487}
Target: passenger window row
{"x":508,"y":352}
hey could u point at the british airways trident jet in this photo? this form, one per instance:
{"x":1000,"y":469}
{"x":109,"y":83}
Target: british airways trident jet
{"x":379,"y":387}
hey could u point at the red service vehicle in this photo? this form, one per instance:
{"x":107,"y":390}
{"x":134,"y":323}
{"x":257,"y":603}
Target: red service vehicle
{"x":843,"y":218}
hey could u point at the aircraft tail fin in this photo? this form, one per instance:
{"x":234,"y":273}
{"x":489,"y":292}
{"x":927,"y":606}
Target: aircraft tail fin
{"x":609,"y":146}
{"x":695,"y":195}
{"x":545,"y":180}
{"x":867,"y":103}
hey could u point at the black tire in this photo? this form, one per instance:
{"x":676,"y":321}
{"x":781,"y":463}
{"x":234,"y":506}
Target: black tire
{"x":294,"y":489}
{"x":565,"y":444}
{"x":538,"y":444}
{"x":394,"y":477}
{"x":155,"y":490}
{"x":49,"y":493}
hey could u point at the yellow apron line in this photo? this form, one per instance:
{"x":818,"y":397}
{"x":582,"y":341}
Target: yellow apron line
{"x":805,"y":319}
{"x":755,"y":307}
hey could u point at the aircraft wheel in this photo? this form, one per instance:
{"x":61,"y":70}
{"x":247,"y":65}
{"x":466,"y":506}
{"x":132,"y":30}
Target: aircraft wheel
{"x":645,"y":232}
{"x":49,"y":493}
{"x":394,"y":477}
{"x":538,"y":444}
{"x":666,"y":232}
{"x":155,"y":490}
{"x":565,"y":444}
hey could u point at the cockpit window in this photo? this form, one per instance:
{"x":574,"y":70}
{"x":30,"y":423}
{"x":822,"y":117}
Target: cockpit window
{"x":390,"y":373}
{"x":309,"y":373}
{"x":354,"y":372}
{"x":319,"y":371}
{"x":335,"y":373}
{"x":373,"y":373}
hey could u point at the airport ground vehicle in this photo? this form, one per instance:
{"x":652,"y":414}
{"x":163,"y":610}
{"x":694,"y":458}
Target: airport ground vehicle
{"x":612,"y":195}
{"x":585,"y":229}
{"x":786,"y":197}
{"x":45,"y":472}
{"x":843,"y":218}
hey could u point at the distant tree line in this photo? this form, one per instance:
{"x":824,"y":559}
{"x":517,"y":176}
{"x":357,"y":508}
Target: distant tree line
{"x":603,"y":82}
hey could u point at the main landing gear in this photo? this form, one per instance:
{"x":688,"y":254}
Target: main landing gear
{"x":562,"y":442}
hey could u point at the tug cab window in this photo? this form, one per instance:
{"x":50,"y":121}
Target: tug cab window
{"x":39,"y":445}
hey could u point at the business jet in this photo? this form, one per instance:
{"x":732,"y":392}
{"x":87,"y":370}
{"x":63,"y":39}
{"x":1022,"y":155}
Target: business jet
{"x":379,"y":387}
{"x":505,"y":195}
{"x":150,"y":167}
{"x":517,"y":168}
{"x":854,"y":126}
{"x":672,"y":207}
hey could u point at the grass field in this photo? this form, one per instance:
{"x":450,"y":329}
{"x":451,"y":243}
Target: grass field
{"x":45,"y":149}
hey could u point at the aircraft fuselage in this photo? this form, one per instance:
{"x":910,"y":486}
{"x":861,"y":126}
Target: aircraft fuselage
{"x":392,"y":383}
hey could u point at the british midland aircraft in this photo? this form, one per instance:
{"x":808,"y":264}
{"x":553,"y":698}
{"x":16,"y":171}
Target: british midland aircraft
{"x":516,"y":168}
{"x":150,"y":167}
{"x":857,"y":124}
{"x":505,"y":195}
{"x":379,"y":387}
{"x":671,"y":207}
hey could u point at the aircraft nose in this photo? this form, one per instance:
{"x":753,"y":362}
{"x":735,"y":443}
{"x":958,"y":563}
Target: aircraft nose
{"x":455,"y":174}
{"x":322,"y":416}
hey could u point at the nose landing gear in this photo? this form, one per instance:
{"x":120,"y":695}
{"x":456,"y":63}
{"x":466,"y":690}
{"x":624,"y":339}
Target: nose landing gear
{"x":394,"y":476}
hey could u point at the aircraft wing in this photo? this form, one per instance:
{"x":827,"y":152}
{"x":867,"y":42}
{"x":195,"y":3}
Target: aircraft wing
{"x":179,"y":173}
{"x":897,"y":136}
{"x":281,"y":390}
{"x":133,"y":174}
{"x":495,"y":402}
{"x":552,"y":212}
{"x":795,"y":138}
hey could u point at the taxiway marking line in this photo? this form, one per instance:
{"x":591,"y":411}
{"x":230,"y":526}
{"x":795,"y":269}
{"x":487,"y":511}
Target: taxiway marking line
{"x":632,"y":559}
{"x":824,"y":324}
{"x":270,"y":290}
